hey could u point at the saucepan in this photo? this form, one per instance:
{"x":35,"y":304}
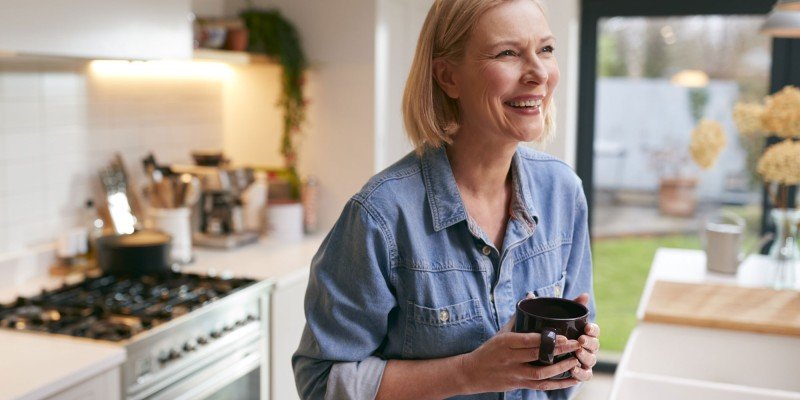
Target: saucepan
{"x":139,"y":253}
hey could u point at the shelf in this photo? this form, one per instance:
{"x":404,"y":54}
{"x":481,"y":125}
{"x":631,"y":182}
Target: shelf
{"x":230,"y":57}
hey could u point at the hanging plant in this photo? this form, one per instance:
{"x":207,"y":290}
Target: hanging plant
{"x":271,"y":34}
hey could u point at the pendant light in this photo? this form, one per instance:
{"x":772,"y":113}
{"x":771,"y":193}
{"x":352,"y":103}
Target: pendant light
{"x":783,"y":24}
{"x":788,"y":5}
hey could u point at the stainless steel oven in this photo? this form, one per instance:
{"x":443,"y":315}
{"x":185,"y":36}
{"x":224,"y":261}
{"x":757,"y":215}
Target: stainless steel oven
{"x":186,"y":336}
{"x":218,"y":352}
{"x":235,"y":373}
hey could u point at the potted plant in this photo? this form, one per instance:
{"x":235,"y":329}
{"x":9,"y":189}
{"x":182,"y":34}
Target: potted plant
{"x":271,"y":34}
{"x":779,"y":166}
{"x":677,"y":182}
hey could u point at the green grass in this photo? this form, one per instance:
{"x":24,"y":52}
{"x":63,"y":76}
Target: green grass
{"x":620,"y":271}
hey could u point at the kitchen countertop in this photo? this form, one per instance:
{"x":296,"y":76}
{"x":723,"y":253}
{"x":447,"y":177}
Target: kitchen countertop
{"x":677,"y":361}
{"x":280,"y":262}
{"x":38,"y":365}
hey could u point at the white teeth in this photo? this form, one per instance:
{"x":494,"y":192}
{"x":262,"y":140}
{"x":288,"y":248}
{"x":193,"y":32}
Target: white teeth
{"x":528,"y":103}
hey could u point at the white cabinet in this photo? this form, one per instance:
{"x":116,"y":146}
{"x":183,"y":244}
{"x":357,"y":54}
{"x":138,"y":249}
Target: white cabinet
{"x":104,"y":386}
{"x":110,"y":29}
{"x":287,"y":320}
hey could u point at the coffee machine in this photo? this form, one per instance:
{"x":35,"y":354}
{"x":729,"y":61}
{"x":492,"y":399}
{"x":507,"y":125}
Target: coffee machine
{"x":217,"y":218}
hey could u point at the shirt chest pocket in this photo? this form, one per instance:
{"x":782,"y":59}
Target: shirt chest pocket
{"x":552,"y":290}
{"x":435,"y":332}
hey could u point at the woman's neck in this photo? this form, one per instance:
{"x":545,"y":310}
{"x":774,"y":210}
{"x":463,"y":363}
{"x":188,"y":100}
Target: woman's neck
{"x":480,"y":168}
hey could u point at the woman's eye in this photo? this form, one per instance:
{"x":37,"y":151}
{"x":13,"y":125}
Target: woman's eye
{"x":548,"y":49}
{"x":505,"y":53}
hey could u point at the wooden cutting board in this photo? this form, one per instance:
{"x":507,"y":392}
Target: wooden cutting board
{"x":726,"y":307}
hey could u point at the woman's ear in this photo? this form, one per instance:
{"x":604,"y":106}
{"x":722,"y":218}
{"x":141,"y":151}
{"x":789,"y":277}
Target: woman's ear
{"x":444,"y":74}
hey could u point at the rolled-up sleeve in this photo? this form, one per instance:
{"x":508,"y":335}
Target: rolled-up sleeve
{"x":347,"y":303}
{"x":579,"y":272}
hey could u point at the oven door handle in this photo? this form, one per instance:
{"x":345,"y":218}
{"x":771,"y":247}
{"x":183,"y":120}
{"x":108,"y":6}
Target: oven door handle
{"x":211,"y":379}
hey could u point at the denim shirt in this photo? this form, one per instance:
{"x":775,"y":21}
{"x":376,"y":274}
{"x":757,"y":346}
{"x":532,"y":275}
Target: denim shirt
{"x":406,"y":274}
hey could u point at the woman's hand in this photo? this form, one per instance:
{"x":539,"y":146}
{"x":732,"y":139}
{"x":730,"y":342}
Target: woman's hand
{"x":501,"y":364}
{"x":589,"y":343}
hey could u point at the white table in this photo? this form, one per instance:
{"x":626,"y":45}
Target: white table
{"x":663,"y":361}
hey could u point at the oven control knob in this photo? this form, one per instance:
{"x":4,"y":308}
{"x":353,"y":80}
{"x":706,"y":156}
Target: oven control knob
{"x":174,"y":354}
{"x":215,"y":334}
{"x":251,"y":317}
{"x":190,"y":345}
{"x":227,"y":328}
{"x":163,"y":356}
{"x":202,"y":340}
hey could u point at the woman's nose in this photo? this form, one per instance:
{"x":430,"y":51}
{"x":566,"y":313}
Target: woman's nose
{"x":535,"y":72}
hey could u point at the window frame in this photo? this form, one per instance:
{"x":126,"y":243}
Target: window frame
{"x":785,"y":53}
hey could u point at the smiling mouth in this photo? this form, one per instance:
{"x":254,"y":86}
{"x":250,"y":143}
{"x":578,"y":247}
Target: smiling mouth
{"x":528,"y":104}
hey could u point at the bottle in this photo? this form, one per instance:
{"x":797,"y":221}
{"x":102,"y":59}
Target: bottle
{"x":309,"y":200}
{"x":95,"y":226}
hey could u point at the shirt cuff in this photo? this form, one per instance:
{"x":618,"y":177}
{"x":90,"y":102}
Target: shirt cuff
{"x":355,"y":380}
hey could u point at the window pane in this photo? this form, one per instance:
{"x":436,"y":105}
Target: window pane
{"x":657,"y":78}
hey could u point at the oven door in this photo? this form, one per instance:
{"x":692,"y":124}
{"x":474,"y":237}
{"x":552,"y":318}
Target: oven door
{"x":236,"y":376}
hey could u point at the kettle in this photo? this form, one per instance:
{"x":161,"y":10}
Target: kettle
{"x":722,"y":239}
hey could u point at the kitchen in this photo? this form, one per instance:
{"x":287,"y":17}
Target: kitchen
{"x":66,"y":114}
{"x":63,"y":117}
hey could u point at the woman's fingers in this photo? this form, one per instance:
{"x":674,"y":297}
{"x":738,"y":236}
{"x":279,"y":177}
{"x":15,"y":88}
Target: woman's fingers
{"x":523,"y":355}
{"x":586,"y":358}
{"x":583,"y":299}
{"x":550,"y":384}
{"x":592,"y":329}
{"x":581,"y":374}
{"x":533,"y":339}
{"x":589,"y":343}
{"x":549,"y":371}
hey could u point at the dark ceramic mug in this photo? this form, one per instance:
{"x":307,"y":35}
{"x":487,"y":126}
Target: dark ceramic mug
{"x":551,"y":316}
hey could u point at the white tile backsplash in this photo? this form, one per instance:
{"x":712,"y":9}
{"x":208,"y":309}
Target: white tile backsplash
{"x":22,"y":144}
{"x":16,"y":85}
{"x":59,"y":124}
{"x":25,"y":176}
{"x":21,"y":113}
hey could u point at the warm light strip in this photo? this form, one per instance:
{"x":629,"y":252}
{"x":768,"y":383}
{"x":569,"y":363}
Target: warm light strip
{"x":162,"y":69}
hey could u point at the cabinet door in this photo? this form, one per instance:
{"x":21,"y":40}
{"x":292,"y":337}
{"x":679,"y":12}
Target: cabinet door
{"x":287,"y":320}
{"x":105,"y":386}
{"x":117,"y":29}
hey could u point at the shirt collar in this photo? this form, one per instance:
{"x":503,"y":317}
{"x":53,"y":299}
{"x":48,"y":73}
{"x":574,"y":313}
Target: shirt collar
{"x":447,"y":207}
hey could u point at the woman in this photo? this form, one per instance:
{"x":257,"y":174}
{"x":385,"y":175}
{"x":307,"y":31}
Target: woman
{"x":413,"y":292}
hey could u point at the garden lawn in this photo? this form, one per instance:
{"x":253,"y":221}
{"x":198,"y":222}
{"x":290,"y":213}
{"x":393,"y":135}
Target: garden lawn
{"x":620,"y":271}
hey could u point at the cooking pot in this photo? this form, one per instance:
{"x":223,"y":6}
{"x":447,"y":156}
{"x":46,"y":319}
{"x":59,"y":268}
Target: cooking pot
{"x":138,"y":253}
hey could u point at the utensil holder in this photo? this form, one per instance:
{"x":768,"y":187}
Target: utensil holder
{"x":177,"y":223}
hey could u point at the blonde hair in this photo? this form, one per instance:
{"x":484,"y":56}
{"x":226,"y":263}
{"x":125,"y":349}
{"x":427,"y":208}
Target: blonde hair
{"x":430,"y":116}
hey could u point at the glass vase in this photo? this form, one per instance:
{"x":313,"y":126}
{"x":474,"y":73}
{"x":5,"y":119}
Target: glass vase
{"x":784,"y":252}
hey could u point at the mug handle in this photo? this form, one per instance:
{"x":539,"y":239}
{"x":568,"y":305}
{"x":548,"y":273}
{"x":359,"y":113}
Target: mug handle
{"x":548,"y":346}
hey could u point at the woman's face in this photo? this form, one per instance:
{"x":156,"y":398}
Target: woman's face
{"x":508,"y":73}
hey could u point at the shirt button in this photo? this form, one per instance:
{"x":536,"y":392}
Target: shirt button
{"x":444,"y":315}
{"x":557,"y":291}
{"x":486,"y":250}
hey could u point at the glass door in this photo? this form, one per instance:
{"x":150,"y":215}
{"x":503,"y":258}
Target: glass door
{"x":651,"y":74}
{"x":660,"y":81}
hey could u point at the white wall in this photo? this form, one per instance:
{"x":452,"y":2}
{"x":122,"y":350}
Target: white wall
{"x":253,"y":121}
{"x":564,"y":18}
{"x":396,"y":34}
